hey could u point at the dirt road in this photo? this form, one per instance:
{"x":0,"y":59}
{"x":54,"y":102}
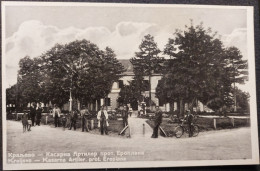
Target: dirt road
{"x":139,"y":128}
{"x":224,"y":144}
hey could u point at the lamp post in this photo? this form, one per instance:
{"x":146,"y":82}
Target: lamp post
{"x":70,"y":101}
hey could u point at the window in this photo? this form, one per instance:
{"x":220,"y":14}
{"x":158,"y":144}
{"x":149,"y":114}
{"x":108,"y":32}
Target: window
{"x":120,"y":83}
{"x":159,"y":82}
{"x":107,"y":102}
{"x":161,"y":102}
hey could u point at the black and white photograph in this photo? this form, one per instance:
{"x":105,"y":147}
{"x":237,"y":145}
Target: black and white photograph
{"x":121,"y":85}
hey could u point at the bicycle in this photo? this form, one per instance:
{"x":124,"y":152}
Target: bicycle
{"x":181,"y":128}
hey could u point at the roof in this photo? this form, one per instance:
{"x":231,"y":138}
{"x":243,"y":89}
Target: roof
{"x":127,"y":65}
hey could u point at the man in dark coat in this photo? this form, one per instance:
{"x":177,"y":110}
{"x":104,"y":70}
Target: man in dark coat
{"x":33,"y":113}
{"x":85,"y":115}
{"x":125,"y":116}
{"x":74,"y":117}
{"x":39,"y":115}
{"x":189,"y":120}
{"x":157,"y":122}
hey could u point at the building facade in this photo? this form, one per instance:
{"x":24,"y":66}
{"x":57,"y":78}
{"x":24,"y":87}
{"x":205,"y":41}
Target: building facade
{"x":128,"y":76}
{"x":111,"y":100}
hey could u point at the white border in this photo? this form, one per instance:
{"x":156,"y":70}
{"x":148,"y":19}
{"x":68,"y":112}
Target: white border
{"x":140,"y":164}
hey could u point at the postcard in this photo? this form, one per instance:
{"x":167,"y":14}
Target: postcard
{"x":121,"y":85}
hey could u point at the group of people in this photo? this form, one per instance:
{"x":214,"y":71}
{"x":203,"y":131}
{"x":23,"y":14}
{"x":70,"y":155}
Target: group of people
{"x":102,"y":117}
{"x":71,"y":120}
{"x":32,"y":117}
{"x":158,"y":120}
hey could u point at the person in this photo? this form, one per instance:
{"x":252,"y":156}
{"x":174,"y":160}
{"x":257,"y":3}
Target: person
{"x":56,"y":114}
{"x":39,"y":115}
{"x":130,"y":111}
{"x":125,"y":116}
{"x":102,"y":117}
{"x":29,"y":122}
{"x":84,"y":118}
{"x":157,"y":122}
{"x":33,"y":113}
{"x":189,"y":120}
{"x":74,"y":117}
{"x":25,"y":121}
{"x":64,"y":121}
{"x":68,"y":121}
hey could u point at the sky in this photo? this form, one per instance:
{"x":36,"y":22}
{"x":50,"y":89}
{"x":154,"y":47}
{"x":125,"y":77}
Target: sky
{"x":32,"y":30}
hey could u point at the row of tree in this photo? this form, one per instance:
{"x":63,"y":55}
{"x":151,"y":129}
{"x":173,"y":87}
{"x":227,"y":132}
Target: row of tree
{"x":78,"y":68}
{"x":199,"y":68}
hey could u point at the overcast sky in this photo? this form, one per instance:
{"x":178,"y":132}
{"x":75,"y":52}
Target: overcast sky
{"x":31,"y":30}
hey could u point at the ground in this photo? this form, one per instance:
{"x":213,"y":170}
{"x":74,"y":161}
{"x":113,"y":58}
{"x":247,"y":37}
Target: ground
{"x":218,"y":145}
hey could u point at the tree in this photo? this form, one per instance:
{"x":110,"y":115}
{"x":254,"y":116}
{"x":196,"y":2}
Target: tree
{"x":81,"y":68}
{"x":125,"y":95}
{"x":57,"y":78}
{"x":242,"y":99}
{"x":11,"y":94}
{"x":198,"y":69}
{"x":29,"y":81}
{"x":147,"y":60}
{"x":238,"y":69}
{"x":78,"y":68}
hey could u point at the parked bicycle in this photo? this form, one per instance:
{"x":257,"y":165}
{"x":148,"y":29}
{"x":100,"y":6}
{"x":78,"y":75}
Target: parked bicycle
{"x":181,"y":128}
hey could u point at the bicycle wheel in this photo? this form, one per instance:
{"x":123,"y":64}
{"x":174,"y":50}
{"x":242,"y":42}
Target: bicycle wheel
{"x":178,"y":131}
{"x":195,"y":130}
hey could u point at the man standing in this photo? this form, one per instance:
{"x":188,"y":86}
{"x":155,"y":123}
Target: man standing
{"x":33,"y":113}
{"x":125,"y":116}
{"x":74,"y":117}
{"x":84,"y":118}
{"x":56,"y":114}
{"x":189,"y":120}
{"x":157,"y":122}
{"x":39,"y":115}
{"x":102,"y":117}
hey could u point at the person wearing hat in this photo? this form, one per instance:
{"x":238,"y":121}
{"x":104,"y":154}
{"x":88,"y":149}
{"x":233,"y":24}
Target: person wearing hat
{"x":125,"y":116}
{"x":73,"y":117}
{"x":33,"y":113}
{"x":102,"y":117}
{"x":189,"y":120}
{"x":39,"y":114}
{"x":84,"y":118}
{"x":56,"y":114}
{"x":157,"y":122}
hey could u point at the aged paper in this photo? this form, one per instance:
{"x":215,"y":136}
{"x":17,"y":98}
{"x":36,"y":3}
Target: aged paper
{"x":45,"y":122}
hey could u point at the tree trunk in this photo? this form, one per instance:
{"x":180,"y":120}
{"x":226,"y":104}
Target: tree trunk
{"x":235,"y":99}
{"x":78,"y":105}
{"x":70,"y":100}
{"x":181,"y":108}
{"x":171,"y":107}
{"x":178,"y":109}
{"x":150,"y":93}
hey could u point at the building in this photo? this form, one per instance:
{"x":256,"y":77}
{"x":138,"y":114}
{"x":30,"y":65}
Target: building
{"x":111,"y":100}
{"x":127,"y":76}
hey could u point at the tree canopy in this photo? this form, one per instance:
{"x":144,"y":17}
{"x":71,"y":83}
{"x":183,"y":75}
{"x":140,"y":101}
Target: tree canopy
{"x":200,"y":68}
{"x":79,"y":66}
{"x":146,"y":62}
